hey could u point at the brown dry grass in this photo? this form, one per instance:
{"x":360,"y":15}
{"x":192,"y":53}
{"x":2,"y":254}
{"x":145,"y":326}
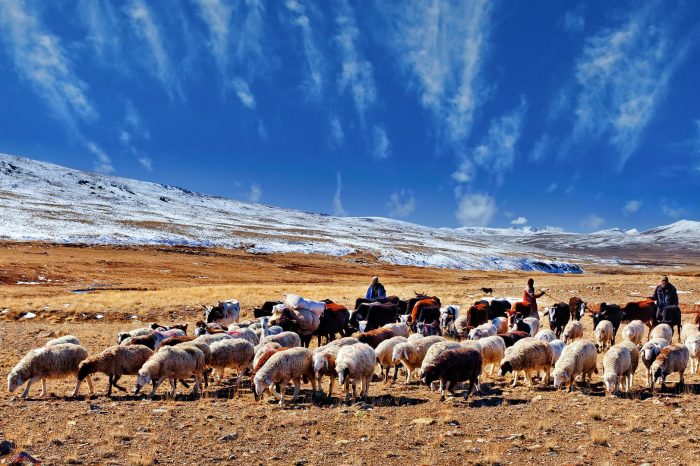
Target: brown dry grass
{"x":503,"y":426}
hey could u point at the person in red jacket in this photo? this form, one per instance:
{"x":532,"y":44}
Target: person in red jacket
{"x":530,"y":296}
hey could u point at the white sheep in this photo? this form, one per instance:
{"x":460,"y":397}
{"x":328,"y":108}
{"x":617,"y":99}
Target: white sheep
{"x":534,"y":324}
{"x":137,"y":332}
{"x":693,"y":345}
{"x":53,"y":362}
{"x":411,"y":353}
{"x":286,"y":339}
{"x":483,"y":331}
{"x":557,"y":348}
{"x":415,"y":336}
{"x":528,"y":357}
{"x":266,"y":329}
{"x":324,"y":360}
{"x":577,"y":358}
{"x":245,"y":333}
{"x":65,"y":339}
{"x":617,"y":364}
{"x":545,"y":335}
{"x":688,"y":330}
{"x":400,"y":329}
{"x":662,"y":331}
{"x":492,"y":352}
{"x":462,"y":326}
{"x":603,"y":334}
{"x":261,"y":349}
{"x":634,"y":356}
{"x":236,"y":354}
{"x":211,"y":338}
{"x":634,"y":332}
{"x":282,"y":367}
{"x":384,"y":352}
{"x":673,"y":358}
{"x":649,"y":352}
{"x":172,"y":363}
{"x":355,"y":362}
{"x":572,"y":331}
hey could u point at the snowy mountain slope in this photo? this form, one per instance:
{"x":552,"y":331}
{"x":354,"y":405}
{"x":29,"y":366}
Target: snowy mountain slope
{"x":41,"y":201}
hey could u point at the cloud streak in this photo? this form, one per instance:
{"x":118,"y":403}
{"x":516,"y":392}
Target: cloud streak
{"x":622,"y":76}
{"x":337,"y":203}
{"x":441,"y":48}
{"x":401,"y":204}
{"x":476,"y":210}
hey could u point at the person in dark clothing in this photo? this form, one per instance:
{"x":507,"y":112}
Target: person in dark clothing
{"x":376,"y":290}
{"x":665,"y":295}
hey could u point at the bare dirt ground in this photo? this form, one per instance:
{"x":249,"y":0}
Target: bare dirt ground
{"x":401,"y":423}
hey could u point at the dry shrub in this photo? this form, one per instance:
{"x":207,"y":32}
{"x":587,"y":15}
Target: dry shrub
{"x":599,"y":437}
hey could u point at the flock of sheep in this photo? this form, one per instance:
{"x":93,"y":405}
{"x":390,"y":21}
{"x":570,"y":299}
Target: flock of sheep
{"x":275,"y":358}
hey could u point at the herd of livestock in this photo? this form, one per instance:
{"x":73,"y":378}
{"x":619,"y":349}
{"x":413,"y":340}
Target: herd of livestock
{"x":444,"y":347}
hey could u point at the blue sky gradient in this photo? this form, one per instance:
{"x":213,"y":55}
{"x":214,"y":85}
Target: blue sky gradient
{"x":582,"y":116}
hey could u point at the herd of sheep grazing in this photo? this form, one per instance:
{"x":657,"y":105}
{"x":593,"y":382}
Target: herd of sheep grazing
{"x":273,"y":358}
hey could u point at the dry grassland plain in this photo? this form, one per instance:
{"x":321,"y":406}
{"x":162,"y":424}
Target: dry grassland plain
{"x":401,"y":423}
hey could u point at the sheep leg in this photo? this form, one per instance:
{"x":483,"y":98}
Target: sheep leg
{"x":114,"y":382}
{"x":347,"y":390}
{"x":156,"y":384}
{"x":408,"y":376}
{"x":354,"y":390}
{"x":396,"y":372}
{"x":469,"y":389}
{"x":443,"y":390}
{"x":367,"y":381}
{"x":173,"y":385}
{"x":198,"y":384}
{"x":331,"y":382}
{"x":682,"y":382}
{"x":90,"y":385}
{"x":29,"y":384}
{"x":515,"y":378}
{"x":44,"y":391}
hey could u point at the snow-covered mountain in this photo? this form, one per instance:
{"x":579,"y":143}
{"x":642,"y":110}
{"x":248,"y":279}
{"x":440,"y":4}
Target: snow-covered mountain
{"x":46,"y":202}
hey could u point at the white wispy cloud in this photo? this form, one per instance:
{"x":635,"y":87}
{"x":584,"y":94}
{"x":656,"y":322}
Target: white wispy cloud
{"x":519,"y":221}
{"x":337,"y":135}
{"x":632,"y":207}
{"x":441,"y":47}
{"x":146,"y":163}
{"x":315,"y":61}
{"x":592,"y":222}
{"x":103,"y":32}
{"x":672,"y":210}
{"x":622,"y":76}
{"x":381,"y":147}
{"x":401,"y":204}
{"x":475,"y":210}
{"x":573,"y":20}
{"x":357,"y":74}
{"x":145,"y":27}
{"x":552,"y":187}
{"x":216,"y":14}
{"x":465,"y":171}
{"x":134,"y":131}
{"x":41,"y":61}
{"x":337,"y":202}
{"x":103,"y":164}
{"x":255,"y":193}
{"x":498,"y":149}
{"x":541,"y":148}
{"x":242,"y":90}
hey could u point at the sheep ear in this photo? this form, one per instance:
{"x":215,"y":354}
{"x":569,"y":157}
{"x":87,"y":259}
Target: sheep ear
{"x":268,"y":381}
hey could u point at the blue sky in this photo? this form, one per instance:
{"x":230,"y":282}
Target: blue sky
{"x":583,"y":116}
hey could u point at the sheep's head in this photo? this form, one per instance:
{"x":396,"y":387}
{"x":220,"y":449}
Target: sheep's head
{"x":506,"y":367}
{"x":260,"y":385}
{"x":343,"y":374}
{"x":397,"y":354}
{"x":320,"y":364}
{"x":561,"y":376}
{"x":14,"y":380}
{"x":610,"y":381}
{"x":84,"y":369}
{"x":142,"y":379}
{"x":121,"y":336}
{"x":429,"y":375}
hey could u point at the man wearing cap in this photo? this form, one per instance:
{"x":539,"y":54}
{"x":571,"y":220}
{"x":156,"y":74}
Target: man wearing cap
{"x":376,"y":290}
{"x":665,"y":295}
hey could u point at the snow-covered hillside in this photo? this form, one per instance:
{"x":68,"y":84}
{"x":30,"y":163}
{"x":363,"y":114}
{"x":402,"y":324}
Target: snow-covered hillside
{"x":41,"y":201}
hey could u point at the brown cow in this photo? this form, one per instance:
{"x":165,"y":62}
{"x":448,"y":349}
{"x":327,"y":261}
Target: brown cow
{"x":575,"y":304}
{"x":478,"y":314}
{"x":641,"y":310}
{"x":426,"y":302}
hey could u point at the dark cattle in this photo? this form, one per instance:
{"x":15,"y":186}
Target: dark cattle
{"x":558,"y":318}
{"x":376,"y":336}
{"x":487,"y":290}
{"x":388,"y":299}
{"x":498,"y":308}
{"x":610,"y":312}
{"x":428,"y":321}
{"x":265,"y":309}
{"x":673,"y":318}
{"x":478,"y":314}
{"x":511,"y":338}
{"x":411,"y":303}
{"x":575,"y":308}
{"x":375,"y":314}
{"x":335,"y":319}
{"x":640,"y":310}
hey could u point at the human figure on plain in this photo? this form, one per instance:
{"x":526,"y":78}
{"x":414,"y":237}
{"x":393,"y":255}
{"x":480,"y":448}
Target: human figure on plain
{"x":376,"y":290}
{"x":530,"y":296}
{"x":665,"y":295}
